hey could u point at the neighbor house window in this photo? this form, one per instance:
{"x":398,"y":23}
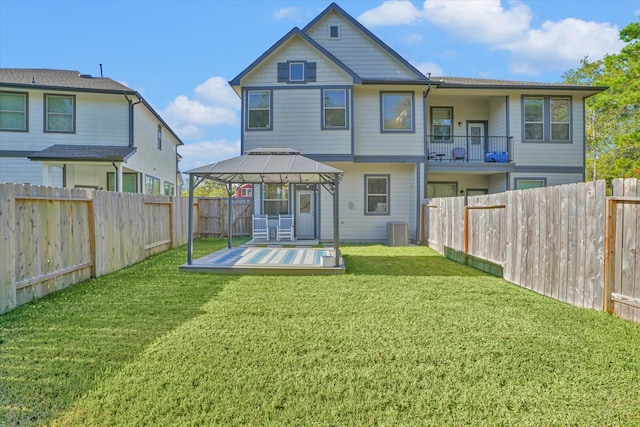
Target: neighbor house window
{"x":246,"y":191}
{"x":129,"y":182}
{"x":259,"y":109}
{"x":334,"y":109}
{"x":377,"y":194}
{"x":60,"y":113}
{"x":275,"y":199}
{"x":159,"y":137}
{"x":296,"y":72}
{"x":151,"y":184}
{"x":397,"y":111}
{"x":13,"y":111}
{"x":547,"y":119}
{"x":442,"y":189}
{"x":169,"y":189}
{"x":525,"y":183}
{"x":442,"y":123}
{"x":334,"y":32}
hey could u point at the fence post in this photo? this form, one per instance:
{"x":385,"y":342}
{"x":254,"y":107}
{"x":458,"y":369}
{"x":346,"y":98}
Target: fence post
{"x":7,"y":247}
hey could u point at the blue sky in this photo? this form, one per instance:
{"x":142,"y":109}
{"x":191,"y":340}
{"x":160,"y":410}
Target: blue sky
{"x":180,"y":54}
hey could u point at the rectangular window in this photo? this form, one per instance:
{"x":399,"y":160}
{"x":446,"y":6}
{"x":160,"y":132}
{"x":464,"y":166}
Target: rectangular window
{"x":397,"y":112}
{"x":60,"y":113}
{"x":159,"y":137}
{"x":334,"y":108}
{"x":442,"y":189}
{"x":129,"y":182}
{"x":377,"y":194}
{"x":534,"y":119}
{"x":560,"y":123}
{"x":296,"y":71}
{"x":442,"y":124}
{"x":259,"y":110}
{"x":334,"y":32}
{"x":525,"y":183}
{"x":547,"y":119}
{"x":246,"y":192}
{"x":275,"y":199}
{"x":13,"y":111}
{"x":169,"y":189}
{"x":151,"y":185}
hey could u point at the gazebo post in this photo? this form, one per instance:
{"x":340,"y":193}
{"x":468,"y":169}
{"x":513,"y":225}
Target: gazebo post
{"x":230,"y":227}
{"x":190,"y":223}
{"x":336,"y":220}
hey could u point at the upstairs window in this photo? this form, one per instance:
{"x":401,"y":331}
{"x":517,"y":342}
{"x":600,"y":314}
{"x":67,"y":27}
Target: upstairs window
{"x":159,"y":137}
{"x":259,"y":110}
{"x":296,"y":72}
{"x":547,"y":119}
{"x":334,"y":32}
{"x":334,"y":108}
{"x":442,"y":124}
{"x":60,"y":113}
{"x":397,"y":111}
{"x":377,"y":194}
{"x":13,"y":111}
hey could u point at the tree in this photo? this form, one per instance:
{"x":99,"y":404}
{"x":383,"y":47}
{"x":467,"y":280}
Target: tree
{"x":613,"y":116}
{"x":209,"y":188}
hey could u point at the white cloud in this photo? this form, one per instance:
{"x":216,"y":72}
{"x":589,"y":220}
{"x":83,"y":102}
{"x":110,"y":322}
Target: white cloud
{"x":413,"y":38}
{"x":482,"y":21}
{"x":505,"y":26}
{"x":561,"y":45}
{"x":391,"y":12}
{"x":214,"y":104}
{"x":287,"y":13}
{"x":202,"y":153}
{"x":429,"y":67}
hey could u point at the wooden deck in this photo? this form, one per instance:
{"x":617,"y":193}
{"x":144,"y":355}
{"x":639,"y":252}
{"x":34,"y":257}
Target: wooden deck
{"x":268,"y":259}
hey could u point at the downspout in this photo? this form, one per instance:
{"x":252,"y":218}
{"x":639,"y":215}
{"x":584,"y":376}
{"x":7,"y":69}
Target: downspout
{"x":418,"y":177}
{"x":131,"y":105}
{"x":115,"y":177}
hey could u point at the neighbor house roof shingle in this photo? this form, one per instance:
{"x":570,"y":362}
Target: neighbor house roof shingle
{"x":86,"y":153}
{"x":41,"y":77}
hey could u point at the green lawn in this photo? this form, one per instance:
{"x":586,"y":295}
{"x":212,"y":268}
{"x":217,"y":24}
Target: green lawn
{"x":406,"y":337}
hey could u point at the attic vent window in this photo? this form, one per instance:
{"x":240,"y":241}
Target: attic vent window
{"x":334,"y":32}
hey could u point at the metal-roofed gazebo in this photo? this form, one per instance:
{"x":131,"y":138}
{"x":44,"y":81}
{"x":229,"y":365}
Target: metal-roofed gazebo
{"x":267,"y":166}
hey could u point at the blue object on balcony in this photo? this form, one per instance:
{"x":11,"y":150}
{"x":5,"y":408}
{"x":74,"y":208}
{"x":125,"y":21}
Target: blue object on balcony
{"x":497,"y":156}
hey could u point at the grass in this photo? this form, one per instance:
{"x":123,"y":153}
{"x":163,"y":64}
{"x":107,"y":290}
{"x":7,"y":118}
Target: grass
{"x":406,"y":337}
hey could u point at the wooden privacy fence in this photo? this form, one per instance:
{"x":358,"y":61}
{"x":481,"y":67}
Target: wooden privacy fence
{"x":51,"y":238}
{"x":569,"y":242}
{"x":213,"y":216}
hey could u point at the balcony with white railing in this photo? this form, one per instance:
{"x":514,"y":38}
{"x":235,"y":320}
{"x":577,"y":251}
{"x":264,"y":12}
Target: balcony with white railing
{"x":487,"y":149}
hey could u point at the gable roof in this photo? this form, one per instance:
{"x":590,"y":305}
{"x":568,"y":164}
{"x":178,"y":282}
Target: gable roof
{"x":295,"y":32}
{"x":333,"y":7}
{"x":70,"y":80}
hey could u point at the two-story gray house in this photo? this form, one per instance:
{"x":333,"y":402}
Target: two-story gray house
{"x":339,"y":95}
{"x":66,"y":129}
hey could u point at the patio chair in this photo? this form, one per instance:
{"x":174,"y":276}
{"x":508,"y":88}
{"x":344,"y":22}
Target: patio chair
{"x":285,"y":227}
{"x":458,"y":153}
{"x":260,"y":227}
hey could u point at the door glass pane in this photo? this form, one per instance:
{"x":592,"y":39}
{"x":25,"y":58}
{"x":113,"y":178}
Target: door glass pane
{"x":305,"y":203}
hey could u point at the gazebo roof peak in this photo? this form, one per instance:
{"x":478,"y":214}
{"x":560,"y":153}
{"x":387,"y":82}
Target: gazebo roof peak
{"x":272,"y":151}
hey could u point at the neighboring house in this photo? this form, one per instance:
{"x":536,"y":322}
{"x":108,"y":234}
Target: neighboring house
{"x":339,"y":95}
{"x":67,"y":129}
{"x":244,"y":191}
